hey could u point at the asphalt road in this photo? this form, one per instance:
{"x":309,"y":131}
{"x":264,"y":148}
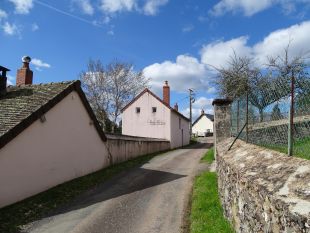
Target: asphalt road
{"x":148,"y":199}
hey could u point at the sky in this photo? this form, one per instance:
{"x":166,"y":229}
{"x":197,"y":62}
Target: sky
{"x":176,"y":40}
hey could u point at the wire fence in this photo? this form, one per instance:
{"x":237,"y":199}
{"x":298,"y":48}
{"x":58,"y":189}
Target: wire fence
{"x":276,"y":117}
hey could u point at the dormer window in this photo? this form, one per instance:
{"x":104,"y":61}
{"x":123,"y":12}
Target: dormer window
{"x":137,"y":109}
{"x":154,"y":109}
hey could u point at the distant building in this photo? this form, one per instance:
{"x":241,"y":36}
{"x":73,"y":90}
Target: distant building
{"x":48,"y":135}
{"x":149,"y":116}
{"x":203,"y":125}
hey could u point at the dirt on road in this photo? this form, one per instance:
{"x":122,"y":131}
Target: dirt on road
{"x":152,"y":198}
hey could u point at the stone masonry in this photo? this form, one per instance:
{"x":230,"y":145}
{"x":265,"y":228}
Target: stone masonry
{"x":261,"y":190}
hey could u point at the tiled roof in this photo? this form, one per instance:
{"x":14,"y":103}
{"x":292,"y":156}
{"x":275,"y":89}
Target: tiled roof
{"x":24,"y":104}
{"x":159,"y":99}
{"x":209,"y":116}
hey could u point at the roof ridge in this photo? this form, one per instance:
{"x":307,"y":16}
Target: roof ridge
{"x":45,"y":84}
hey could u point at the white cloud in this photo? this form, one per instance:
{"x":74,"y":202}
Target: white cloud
{"x":202,"y":103}
{"x":151,"y":6}
{"x":39,"y":64}
{"x":3,"y":15}
{"x":34,"y":27}
{"x":10,"y":80}
{"x":10,"y":29}
{"x":186,"y":72}
{"x":22,"y":6}
{"x":188,"y":28}
{"x":113,"y":6}
{"x":85,"y":6}
{"x":251,"y":7}
{"x":110,"y":33}
{"x":298,"y":35}
{"x":248,"y":7}
{"x":218,"y":53}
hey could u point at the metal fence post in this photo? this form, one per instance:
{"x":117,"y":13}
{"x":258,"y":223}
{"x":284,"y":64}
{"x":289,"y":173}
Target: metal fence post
{"x":291,"y":118}
{"x":247,"y":117}
{"x":238,"y":107}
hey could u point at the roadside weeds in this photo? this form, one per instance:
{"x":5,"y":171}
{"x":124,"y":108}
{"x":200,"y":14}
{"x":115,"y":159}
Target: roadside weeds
{"x":205,"y":209}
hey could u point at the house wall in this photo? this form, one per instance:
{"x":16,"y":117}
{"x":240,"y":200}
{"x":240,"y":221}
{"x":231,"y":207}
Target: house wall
{"x":202,"y":126}
{"x":46,"y":154}
{"x":146,"y":123}
{"x":179,"y":132}
{"x":123,"y":147}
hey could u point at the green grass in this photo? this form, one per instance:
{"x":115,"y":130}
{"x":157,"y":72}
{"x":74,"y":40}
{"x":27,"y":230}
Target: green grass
{"x":301,"y":148}
{"x":33,"y":208}
{"x":209,"y":156}
{"x":207,"y":213}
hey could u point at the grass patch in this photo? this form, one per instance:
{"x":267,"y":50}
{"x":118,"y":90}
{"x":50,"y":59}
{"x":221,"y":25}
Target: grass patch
{"x":207,"y":213}
{"x":193,"y":141}
{"x":301,"y":148}
{"x":34,"y":208}
{"x":209,"y":156}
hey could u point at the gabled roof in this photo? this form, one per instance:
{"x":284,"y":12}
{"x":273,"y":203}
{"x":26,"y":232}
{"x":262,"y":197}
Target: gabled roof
{"x":24,"y":104}
{"x":209,"y":116}
{"x":159,"y":99}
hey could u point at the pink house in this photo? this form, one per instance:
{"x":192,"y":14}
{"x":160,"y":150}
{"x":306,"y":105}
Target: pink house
{"x":48,"y":135}
{"x":149,"y":116}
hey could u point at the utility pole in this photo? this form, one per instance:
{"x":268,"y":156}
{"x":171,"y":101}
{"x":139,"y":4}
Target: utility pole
{"x":191,"y":101}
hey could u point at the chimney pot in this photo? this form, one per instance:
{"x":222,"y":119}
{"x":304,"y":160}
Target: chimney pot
{"x":24,"y":74}
{"x":202,"y":112}
{"x":166,"y":93}
{"x":3,"y":79}
{"x":176,"y":107}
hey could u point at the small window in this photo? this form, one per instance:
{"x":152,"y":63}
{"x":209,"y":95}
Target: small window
{"x":154,"y":109}
{"x":179,"y":123}
{"x":137,"y":109}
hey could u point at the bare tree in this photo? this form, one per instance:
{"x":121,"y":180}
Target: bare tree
{"x":233,"y":81}
{"x":110,"y":87}
{"x":293,"y":75}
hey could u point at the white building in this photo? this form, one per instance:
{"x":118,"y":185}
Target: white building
{"x":149,"y":116}
{"x":48,"y":135}
{"x":203,"y":125}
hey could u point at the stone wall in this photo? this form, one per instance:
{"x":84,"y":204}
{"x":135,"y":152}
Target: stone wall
{"x":263,"y":190}
{"x":122,"y":147}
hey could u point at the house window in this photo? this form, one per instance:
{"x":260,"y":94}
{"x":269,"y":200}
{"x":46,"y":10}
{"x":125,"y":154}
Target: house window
{"x":179,"y":123}
{"x":137,"y":109}
{"x":154,"y":109}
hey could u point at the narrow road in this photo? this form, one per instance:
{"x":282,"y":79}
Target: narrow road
{"x":147,"y":199}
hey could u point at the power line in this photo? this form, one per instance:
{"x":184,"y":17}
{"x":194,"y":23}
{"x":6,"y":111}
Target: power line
{"x":66,"y":13}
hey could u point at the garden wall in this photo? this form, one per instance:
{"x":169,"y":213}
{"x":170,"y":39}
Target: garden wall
{"x":122,"y":147}
{"x":263,"y":190}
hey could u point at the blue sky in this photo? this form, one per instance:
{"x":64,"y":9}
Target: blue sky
{"x":174,"y":40}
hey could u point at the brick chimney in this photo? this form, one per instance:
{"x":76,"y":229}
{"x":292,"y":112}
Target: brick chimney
{"x":3,"y":79}
{"x":176,"y":107}
{"x":24,"y":74}
{"x":166,"y":93}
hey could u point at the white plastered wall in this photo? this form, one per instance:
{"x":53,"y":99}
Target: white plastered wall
{"x":202,"y":126}
{"x":179,"y":138}
{"x":146,"y":123}
{"x":46,"y":154}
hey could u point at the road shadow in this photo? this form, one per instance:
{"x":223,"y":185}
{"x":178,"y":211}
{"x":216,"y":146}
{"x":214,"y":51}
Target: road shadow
{"x":126,"y":182}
